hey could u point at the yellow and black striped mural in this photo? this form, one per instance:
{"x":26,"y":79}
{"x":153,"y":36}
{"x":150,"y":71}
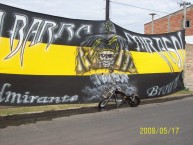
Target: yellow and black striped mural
{"x":52,"y":60}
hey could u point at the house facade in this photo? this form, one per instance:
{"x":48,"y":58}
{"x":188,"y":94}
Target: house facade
{"x":173,"y":22}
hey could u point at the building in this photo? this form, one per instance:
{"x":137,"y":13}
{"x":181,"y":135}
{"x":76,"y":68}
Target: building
{"x":188,"y":75}
{"x":173,"y":22}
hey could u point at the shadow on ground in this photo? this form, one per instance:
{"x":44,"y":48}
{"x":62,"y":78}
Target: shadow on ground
{"x":17,"y":120}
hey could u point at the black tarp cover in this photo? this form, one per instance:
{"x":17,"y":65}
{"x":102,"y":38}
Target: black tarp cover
{"x":52,"y":60}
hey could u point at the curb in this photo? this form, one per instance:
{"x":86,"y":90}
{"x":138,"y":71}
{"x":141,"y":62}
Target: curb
{"x":19,"y":119}
{"x":165,"y":99}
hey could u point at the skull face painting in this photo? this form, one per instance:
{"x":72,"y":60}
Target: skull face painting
{"x":104,"y":51}
{"x":106,"y":58}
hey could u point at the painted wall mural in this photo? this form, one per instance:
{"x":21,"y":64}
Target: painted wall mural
{"x":52,"y":60}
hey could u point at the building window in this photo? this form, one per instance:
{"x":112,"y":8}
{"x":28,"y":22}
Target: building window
{"x":187,"y":23}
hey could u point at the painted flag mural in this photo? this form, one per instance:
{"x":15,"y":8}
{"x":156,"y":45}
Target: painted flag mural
{"x":53,"y":60}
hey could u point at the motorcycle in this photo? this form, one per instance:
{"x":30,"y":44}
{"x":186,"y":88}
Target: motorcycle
{"x":115,"y":94}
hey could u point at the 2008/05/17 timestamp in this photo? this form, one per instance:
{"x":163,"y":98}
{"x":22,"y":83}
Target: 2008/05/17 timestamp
{"x":159,"y":130}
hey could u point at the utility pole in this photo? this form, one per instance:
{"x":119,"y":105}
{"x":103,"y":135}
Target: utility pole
{"x":107,"y":10}
{"x":152,"y":23}
{"x":184,"y":12}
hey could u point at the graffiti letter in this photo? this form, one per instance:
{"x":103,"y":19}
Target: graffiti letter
{"x":50,"y":26}
{"x":69,"y":28}
{"x":152,"y":91}
{"x":18,"y":28}
{"x":2,"y":14}
{"x":86,"y":28}
{"x":35,"y":26}
{"x":3,"y":90}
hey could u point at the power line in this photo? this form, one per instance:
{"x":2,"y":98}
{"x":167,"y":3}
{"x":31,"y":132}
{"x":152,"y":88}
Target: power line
{"x":138,"y":7}
{"x":136,"y":22}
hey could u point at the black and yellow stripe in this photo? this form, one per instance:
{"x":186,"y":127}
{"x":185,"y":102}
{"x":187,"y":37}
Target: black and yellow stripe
{"x":61,"y":60}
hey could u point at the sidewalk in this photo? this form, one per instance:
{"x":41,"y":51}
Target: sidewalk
{"x":19,"y":119}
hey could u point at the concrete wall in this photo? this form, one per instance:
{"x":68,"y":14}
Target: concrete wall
{"x":188,"y":74}
{"x":189,"y":39}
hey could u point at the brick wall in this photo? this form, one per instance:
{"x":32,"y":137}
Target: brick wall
{"x":188,"y":73}
{"x":176,"y":20}
{"x":189,"y":16}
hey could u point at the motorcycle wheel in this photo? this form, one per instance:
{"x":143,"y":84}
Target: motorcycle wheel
{"x":134,"y":101}
{"x":103,"y":103}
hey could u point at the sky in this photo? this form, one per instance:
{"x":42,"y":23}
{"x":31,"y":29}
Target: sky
{"x":129,"y":14}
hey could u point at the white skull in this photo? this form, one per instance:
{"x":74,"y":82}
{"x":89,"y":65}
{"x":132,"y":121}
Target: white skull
{"x":106,"y":58}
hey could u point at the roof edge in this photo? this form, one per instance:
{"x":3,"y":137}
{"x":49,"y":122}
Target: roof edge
{"x":169,"y":14}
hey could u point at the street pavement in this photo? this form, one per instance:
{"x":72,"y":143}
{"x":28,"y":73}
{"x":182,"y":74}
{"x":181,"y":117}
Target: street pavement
{"x":165,"y":123}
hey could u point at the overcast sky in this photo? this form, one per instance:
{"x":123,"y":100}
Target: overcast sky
{"x":124,"y":14}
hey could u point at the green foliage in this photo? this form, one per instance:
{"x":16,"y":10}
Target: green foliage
{"x":185,"y":91}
